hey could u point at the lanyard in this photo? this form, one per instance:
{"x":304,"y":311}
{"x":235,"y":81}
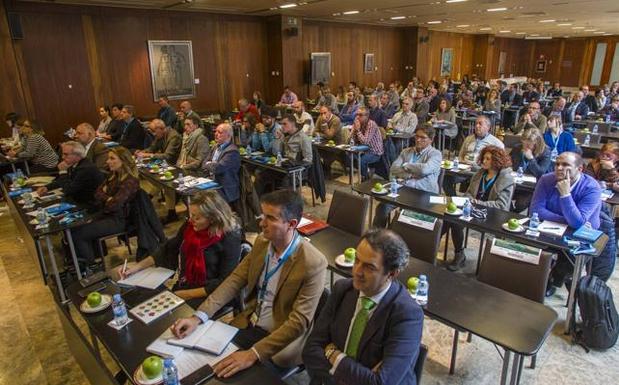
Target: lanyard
{"x":556,"y":141}
{"x":269,"y":273}
{"x":416,"y":156}
{"x":485,"y":184}
{"x":525,"y":162}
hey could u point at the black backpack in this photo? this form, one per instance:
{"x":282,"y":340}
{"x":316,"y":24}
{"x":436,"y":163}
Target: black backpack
{"x":600,"y":322}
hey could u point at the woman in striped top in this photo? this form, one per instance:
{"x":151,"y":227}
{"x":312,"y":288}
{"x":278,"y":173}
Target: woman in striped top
{"x":36,"y":148}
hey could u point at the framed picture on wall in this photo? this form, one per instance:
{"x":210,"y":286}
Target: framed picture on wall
{"x":446,"y":61}
{"x":368,"y":63}
{"x":540,"y":66}
{"x":171,"y":68}
{"x":321,"y":67}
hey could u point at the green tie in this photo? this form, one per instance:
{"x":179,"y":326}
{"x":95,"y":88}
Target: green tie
{"x":358,"y":326}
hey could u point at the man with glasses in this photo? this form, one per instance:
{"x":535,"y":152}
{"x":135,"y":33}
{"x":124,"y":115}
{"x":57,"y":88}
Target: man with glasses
{"x":567,"y":196}
{"x":167,"y":143}
{"x":589,"y":99}
{"x":366,"y":132}
{"x":611,"y":111}
{"x":532,"y":119}
{"x":419,"y":166}
{"x":576,"y":110}
{"x":422,"y":107}
{"x":404,"y":121}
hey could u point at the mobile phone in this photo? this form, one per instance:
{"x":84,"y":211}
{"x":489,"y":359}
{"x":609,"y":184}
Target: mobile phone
{"x":84,"y":292}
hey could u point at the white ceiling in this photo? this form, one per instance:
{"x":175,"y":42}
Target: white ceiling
{"x":557,"y":18}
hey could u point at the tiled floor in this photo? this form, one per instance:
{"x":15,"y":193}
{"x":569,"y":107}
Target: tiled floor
{"x":33,"y":349}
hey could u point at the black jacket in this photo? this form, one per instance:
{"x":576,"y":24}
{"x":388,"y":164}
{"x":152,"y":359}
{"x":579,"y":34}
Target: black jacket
{"x":144,"y":222}
{"x":80,"y":182}
{"x":220,"y":259}
{"x":133,"y":135}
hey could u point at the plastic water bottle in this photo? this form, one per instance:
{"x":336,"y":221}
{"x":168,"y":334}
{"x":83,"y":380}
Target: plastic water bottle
{"x":164,"y":165}
{"x":248,"y":149}
{"x":553,"y":155}
{"x":534,"y":222}
{"x":456,"y":163}
{"x":120,"y":310}
{"x":19,"y":173}
{"x":351,"y":142}
{"x":279,"y":158}
{"x":466,"y":209}
{"x":42,"y":217}
{"x":393,"y":187}
{"x":170,"y":372}
{"x":421,"y":295}
{"x":588,"y":139}
{"x":594,"y":130}
{"x":607,"y":118}
{"x":519,"y":175}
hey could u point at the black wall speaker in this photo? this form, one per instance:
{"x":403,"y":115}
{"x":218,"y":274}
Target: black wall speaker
{"x":17,"y":32}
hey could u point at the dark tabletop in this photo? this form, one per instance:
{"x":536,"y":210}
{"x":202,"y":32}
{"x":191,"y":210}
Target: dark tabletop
{"x":281,"y":169}
{"x":155,"y":178}
{"x":419,"y":201}
{"x":322,"y":146}
{"x":128,"y":345}
{"x":511,"y":321}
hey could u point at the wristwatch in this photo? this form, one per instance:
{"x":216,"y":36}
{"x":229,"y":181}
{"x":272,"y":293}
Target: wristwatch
{"x":329,"y":350}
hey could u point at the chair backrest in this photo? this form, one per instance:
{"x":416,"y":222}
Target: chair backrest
{"x":603,"y":127}
{"x":517,"y":277}
{"x":422,"y":243}
{"x":593,"y":138}
{"x":421,"y":359}
{"x":510,"y":140}
{"x":348,"y":212}
{"x":441,"y":178}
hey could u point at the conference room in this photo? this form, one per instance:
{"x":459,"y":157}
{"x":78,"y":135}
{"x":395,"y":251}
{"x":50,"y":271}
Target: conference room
{"x":315,"y":192}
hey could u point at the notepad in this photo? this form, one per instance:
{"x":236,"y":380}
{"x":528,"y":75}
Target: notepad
{"x":553,"y":228}
{"x":149,"y":278}
{"x":211,"y":337}
{"x":438,"y":200}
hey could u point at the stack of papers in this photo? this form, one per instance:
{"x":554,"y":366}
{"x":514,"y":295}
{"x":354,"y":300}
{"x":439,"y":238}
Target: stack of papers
{"x":552,"y":228}
{"x":150,"y":278}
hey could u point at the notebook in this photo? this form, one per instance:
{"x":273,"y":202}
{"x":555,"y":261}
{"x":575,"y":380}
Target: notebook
{"x":587,"y":233}
{"x":310,"y":225}
{"x":162,"y":348}
{"x":212,"y":337}
{"x":149,"y":278}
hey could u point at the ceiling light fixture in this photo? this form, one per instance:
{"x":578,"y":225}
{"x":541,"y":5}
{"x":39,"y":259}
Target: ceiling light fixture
{"x":462,"y":26}
{"x":496,"y":9}
{"x":434,"y":22}
{"x":547,"y":21}
{"x":456,"y":1}
{"x":521,"y":33}
{"x":599,"y":33}
{"x":350,"y":13}
{"x":531,"y":37}
{"x":590,"y":30}
{"x":564,"y":24}
{"x":485,"y":29}
{"x":506,"y":31}
{"x":290,"y":5}
{"x":578,"y":27}
{"x":398,"y":17}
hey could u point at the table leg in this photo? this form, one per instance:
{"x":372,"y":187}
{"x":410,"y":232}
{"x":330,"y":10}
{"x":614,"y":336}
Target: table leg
{"x":515,"y":368}
{"x":359,"y":165}
{"x":73,"y":254}
{"x":41,"y":257}
{"x":95,"y":344}
{"x":352,"y":170}
{"x":371,"y":213}
{"x":480,"y":252}
{"x":50,"y":253}
{"x":505,"y":369}
{"x":27,"y":168}
{"x":454,"y":352}
{"x":13,"y":167}
{"x":578,"y":262}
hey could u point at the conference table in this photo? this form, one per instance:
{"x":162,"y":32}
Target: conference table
{"x":294,"y":172}
{"x":465,"y":304}
{"x":9,"y":161}
{"x":127,"y":347}
{"x":419,"y":201}
{"x":343,"y":150}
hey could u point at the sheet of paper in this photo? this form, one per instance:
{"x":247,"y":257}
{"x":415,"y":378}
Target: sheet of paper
{"x":553,"y":228}
{"x":304,"y":221}
{"x":162,"y":348}
{"x":149,"y":278}
{"x":529,"y":178}
{"x":438,"y":200}
{"x":191,"y":340}
{"x":459,"y":201}
{"x":191,"y":360}
{"x":417,"y":219}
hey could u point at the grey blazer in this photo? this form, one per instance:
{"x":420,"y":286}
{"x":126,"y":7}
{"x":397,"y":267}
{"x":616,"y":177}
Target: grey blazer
{"x":500,"y":196}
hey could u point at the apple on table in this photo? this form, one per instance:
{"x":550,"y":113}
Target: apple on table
{"x":350,"y":254}
{"x":378,"y":186}
{"x":451,"y":207}
{"x":152,"y":367}
{"x":168,"y":174}
{"x":411,"y":283}
{"x":513,"y":224}
{"x":94,"y":299}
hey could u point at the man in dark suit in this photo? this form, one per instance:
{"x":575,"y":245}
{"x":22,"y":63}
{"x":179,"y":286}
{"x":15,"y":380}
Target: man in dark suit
{"x":166,"y":112}
{"x":530,"y":95}
{"x":589,"y":99}
{"x":576,"y":110}
{"x":223,"y":162}
{"x":133,"y":134}
{"x":79,"y":177}
{"x":96,"y":151}
{"x":370,"y":328}
{"x":511,"y":96}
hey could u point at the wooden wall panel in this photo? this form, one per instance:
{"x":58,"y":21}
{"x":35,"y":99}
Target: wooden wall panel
{"x":429,"y":57}
{"x":572,"y":62}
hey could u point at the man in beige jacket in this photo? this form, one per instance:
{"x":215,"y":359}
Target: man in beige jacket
{"x":282,"y":297}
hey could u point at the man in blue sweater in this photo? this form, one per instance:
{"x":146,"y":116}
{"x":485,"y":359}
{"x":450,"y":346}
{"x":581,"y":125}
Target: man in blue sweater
{"x":567,"y":196}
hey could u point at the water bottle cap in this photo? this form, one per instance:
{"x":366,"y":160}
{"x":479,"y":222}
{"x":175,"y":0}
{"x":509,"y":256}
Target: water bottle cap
{"x":167,"y":362}
{"x":422,"y":277}
{"x":116,"y":297}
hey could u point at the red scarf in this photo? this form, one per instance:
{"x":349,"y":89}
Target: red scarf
{"x":193,"y":246}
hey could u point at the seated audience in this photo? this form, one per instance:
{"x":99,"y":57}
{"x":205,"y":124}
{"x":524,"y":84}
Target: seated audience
{"x":394,"y":95}
{"x":511,"y":97}
{"x":365,"y":132}
{"x":133,"y":134}
{"x":96,"y":152}
{"x":600,"y":100}
{"x":292,"y":142}
{"x":604,"y":167}
{"x":288,"y":97}
{"x":533,"y":156}
{"x":223,"y":162}
{"x":186,"y":112}
{"x":419,"y":166}
{"x":469,"y":152}
{"x":167,"y":143}
{"x":588,"y":99}
{"x":376,"y":114}
{"x":369,"y":331}
{"x":611,"y":111}
{"x":433,"y":99}
{"x":531,"y":94}
{"x":79,"y":177}
{"x":348,"y":112}
{"x":327,"y":99}
{"x":576,"y":109}
{"x":113,"y":196}
{"x":422,"y":107}
{"x":284,"y":275}
{"x":446,"y":115}
{"x":245,"y":107}
{"x":204,"y":251}
{"x":303,"y":118}
{"x":104,"y":119}
{"x":532,"y":118}
{"x":388,"y":108}
{"x":115,"y":128}
{"x":555,"y":91}
{"x":491,"y":186}
{"x":404,"y":121}
{"x":258,"y":101}
{"x":493,"y":102}
{"x":11,"y":120}
{"x":558,"y":140}
{"x":249,"y":127}
{"x":567,"y":196}
{"x":329,"y":126}
{"x":34,"y":147}
{"x":166,"y":113}
{"x":264,"y":134}
{"x":194,"y":145}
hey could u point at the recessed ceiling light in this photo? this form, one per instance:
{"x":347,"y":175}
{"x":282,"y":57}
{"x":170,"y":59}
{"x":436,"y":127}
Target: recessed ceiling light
{"x":462,"y":26}
{"x":599,"y":32}
{"x":496,"y":9}
{"x":547,"y":21}
{"x":521,"y":33}
{"x":590,"y":30}
{"x":350,"y":12}
{"x":434,"y":22}
{"x":398,"y":17}
{"x":564,"y":24}
{"x":290,"y":5}
{"x":534,"y":34}
{"x":485,"y":29}
{"x":607,"y":34}
{"x":578,"y":27}
{"x":456,"y":1}
{"x":505,"y":31}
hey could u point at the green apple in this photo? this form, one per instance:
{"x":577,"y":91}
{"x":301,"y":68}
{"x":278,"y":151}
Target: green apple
{"x":242,"y":151}
{"x":155,"y":168}
{"x":94,"y":299}
{"x":331,"y":143}
{"x":513,"y":224}
{"x":212,"y":143}
{"x":272,"y":159}
{"x":451,"y":207}
{"x":378,"y":186}
{"x":168,"y":174}
{"x":390,"y":132}
{"x":20,"y":181}
{"x":411,"y":283}
{"x":349,"y":254}
{"x":152,"y":367}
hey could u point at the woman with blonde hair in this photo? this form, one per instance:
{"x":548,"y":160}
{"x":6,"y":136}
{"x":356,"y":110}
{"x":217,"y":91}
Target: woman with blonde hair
{"x":113,"y":197}
{"x":205,"y":250}
{"x":533,"y":155}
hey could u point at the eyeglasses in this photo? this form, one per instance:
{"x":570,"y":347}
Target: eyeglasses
{"x":421,"y":137}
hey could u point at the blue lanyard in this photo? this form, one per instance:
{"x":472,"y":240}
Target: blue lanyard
{"x":485,"y":184}
{"x":269,"y":273}
{"x":525,"y":162}
{"x":556,"y":141}
{"x":415,"y":157}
